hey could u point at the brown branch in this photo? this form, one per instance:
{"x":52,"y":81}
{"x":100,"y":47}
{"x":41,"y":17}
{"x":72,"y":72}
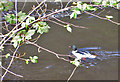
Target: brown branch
{"x":10,"y":63}
{"x":12,"y":31}
{"x":57,"y":55}
{"x":102,"y":18}
{"x":72,"y":73}
{"x":11,"y":72}
{"x":69,"y":23}
{"x":55,"y":22}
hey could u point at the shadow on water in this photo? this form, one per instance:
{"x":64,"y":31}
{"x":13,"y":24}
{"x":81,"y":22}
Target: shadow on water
{"x":100,"y":33}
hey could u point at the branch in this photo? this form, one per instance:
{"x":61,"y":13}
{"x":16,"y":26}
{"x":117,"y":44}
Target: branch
{"x":12,"y":31}
{"x":102,"y":18}
{"x":57,"y":55}
{"x":72,"y":73}
{"x":11,"y":72}
{"x":10,"y":63}
{"x":69,"y":23}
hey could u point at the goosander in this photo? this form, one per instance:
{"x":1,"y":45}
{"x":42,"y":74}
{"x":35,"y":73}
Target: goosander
{"x":79,"y":54}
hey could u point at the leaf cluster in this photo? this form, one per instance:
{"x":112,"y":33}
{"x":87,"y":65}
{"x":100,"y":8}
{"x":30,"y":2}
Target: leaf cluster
{"x":6,"y":5}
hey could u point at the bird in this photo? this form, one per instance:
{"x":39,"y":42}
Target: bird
{"x":78,"y":54}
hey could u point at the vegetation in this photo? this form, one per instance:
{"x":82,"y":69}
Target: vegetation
{"x":26,"y":26}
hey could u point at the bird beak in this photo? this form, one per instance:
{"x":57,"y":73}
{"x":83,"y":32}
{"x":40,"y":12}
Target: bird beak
{"x":95,"y":55}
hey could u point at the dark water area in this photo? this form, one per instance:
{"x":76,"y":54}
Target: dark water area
{"x":100,"y":33}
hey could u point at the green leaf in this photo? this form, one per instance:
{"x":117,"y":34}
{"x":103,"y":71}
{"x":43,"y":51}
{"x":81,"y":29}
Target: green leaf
{"x":10,"y":18}
{"x":27,"y":61}
{"x":34,"y":61}
{"x":29,"y":34}
{"x":31,"y":57}
{"x":95,"y":9}
{"x":16,"y":40}
{"x":8,"y":6}
{"x":84,"y":6}
{"x":21,"y":14}
{"x":69,"y":29}
{"x":2,"y":48}
{"x":24,"y":25}
{"x":74,"y":3}
{"x":71,"y":16}
{"x":76,"y":63}
{"x":1,"y":6}
{"x":109,"y":17}
{"x":35,"y":57}
{"x":7,"y":55}
{"x":29,"y":20}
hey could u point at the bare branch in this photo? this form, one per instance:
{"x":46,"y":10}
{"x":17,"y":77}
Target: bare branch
{"x":102,"y":18}
{"x":72,"y":73}
{"x":10,"y":63}
{"x":11,"y":72}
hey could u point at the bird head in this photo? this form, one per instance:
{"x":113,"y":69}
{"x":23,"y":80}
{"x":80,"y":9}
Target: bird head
{"x":73,"y":47}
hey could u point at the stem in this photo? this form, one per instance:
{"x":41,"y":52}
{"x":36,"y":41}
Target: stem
{"x":10,"y":71}
{"x":10,"y":63}
{"x":72,"y":73}
{"x":102,"y":17}
{"x":57,"y":55}
{"x":12,"y":31}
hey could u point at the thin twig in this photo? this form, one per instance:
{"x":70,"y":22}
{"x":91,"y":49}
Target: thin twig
{"x":55,"y":22}
{"x":57,"y":55}
{"x":102,"y":18}
{"x":72,"y":73}
{"x":11,"y":71}
{"x":24,"y":5}
{"x":1,"y":42}
{"x":14,"y":57}
{"x":69,"y":23}
{"x":68,"y":3}
{"x":10,"y":63}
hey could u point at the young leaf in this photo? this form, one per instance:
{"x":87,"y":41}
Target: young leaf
{"x":29,"y":20}
{"x":29,"y":34}
{"x":24,"y":25}
{"x":71,"y":16}
{"x":109,"y":17}
{"x":27,"y":61}
{"x":69,"y":29}
{"x":16,"y":40}
{"x":35,"y":57}
{"x":2,"y":48}
{"x":76,"y":63}
{"x":7,"y":55}
{"x":34,"y":61}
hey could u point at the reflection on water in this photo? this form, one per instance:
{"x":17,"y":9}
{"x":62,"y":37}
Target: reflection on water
{"x":99,"y":33}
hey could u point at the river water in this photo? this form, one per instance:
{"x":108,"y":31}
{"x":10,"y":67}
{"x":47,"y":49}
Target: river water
{"x":100,"y":33}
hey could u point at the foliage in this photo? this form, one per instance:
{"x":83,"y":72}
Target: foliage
{"x":21,"y":16}
{"x":81,"y":7}
{"x":69,"y":29}
{"x":41,"y":27}
{"x":10,"y":18}
{"x":5,"y":5}
{"x":32,"y":59}
{"x":109,"y":17}
{"x":75,"y":62}
{"x":7,"y":55}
